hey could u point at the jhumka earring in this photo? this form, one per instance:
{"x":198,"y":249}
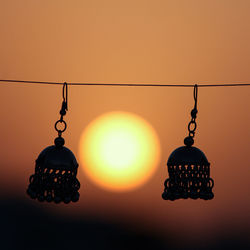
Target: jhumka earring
{"x":56,"y":168}
{"x":188,"y":168}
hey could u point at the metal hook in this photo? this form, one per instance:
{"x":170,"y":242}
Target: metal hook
{"x":195,"y":95}
{"x":192,"y":124}
{"x":65,"y":95}
{"x":63,"y":110}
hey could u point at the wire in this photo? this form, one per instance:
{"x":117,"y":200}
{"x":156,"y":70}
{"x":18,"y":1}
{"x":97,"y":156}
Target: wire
{"x":130,"y":84}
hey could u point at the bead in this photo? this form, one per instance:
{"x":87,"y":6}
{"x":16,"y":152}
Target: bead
{"x":165,"y":196}
{"x":31,"y":193}
{"x":210,"y":196}
{"x":171,"y":197}
{"x":194,"y":113}
{"x":67,"y":199}
{"x":194,"y":194}
{"x":41,"y":198}
{"x":189,"y":141}
{"x":203,"y":195}
{"x":49,"y":198}
{"x":62,"y":112}
{"x":185,"y":195}
{"x":57,"y":199}
{"x":178,"y":193}
{"x":75,"y":197}
{"x":59,"y":141}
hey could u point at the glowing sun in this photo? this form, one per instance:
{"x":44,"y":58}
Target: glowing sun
{"x":119,"y":151}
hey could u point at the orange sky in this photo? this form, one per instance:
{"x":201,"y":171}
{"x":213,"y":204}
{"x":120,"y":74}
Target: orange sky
{"x":131,"y":41}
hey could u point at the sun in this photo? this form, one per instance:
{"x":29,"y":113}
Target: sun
{"x":119,"y":151}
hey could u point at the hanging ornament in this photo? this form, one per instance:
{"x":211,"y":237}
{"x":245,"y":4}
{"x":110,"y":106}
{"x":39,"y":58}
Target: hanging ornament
{"x":188,"y":168}
{"x":56,"y":168}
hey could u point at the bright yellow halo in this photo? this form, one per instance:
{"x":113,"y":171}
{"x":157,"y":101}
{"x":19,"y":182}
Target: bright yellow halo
{"x":119,"y":151}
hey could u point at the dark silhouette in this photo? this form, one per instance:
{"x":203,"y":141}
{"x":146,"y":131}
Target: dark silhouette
{"x":188,"y":168}
{"x":189,"y":175}
{"x":55,"y":175}
{"x":56,"y":168}
{"x":27,"y":226}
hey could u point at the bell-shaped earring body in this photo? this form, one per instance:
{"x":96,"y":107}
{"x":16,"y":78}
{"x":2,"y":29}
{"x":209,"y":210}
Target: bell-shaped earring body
{"x":55,"y":175}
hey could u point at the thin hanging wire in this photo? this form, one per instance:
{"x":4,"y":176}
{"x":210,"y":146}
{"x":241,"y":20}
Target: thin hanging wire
{"x":129,"y":84}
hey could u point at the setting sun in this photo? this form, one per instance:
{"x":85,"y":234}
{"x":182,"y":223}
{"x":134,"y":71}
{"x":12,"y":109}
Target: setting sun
{"x":119,"y":151}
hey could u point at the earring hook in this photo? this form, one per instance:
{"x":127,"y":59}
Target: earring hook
{"x":188,"y":141}
{"x":65,"y":94}
{"x":195,"y":96}
{"x":63,"y":110}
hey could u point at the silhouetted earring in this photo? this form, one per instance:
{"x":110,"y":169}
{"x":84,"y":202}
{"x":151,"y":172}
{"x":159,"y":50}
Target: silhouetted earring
{"x":56,"y":168}
{"x":188,"y":168}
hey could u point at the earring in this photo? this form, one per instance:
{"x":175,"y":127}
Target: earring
{"x":56,"y":168}
{"x":188,"y":168}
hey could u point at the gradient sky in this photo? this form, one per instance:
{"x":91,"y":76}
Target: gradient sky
{"x":155,"y":41}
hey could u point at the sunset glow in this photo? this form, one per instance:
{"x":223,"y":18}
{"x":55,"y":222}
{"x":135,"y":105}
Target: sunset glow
{"x":119,"y":151}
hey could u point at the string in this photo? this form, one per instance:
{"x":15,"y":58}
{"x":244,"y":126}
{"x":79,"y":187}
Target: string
{"x":129,"y":84}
